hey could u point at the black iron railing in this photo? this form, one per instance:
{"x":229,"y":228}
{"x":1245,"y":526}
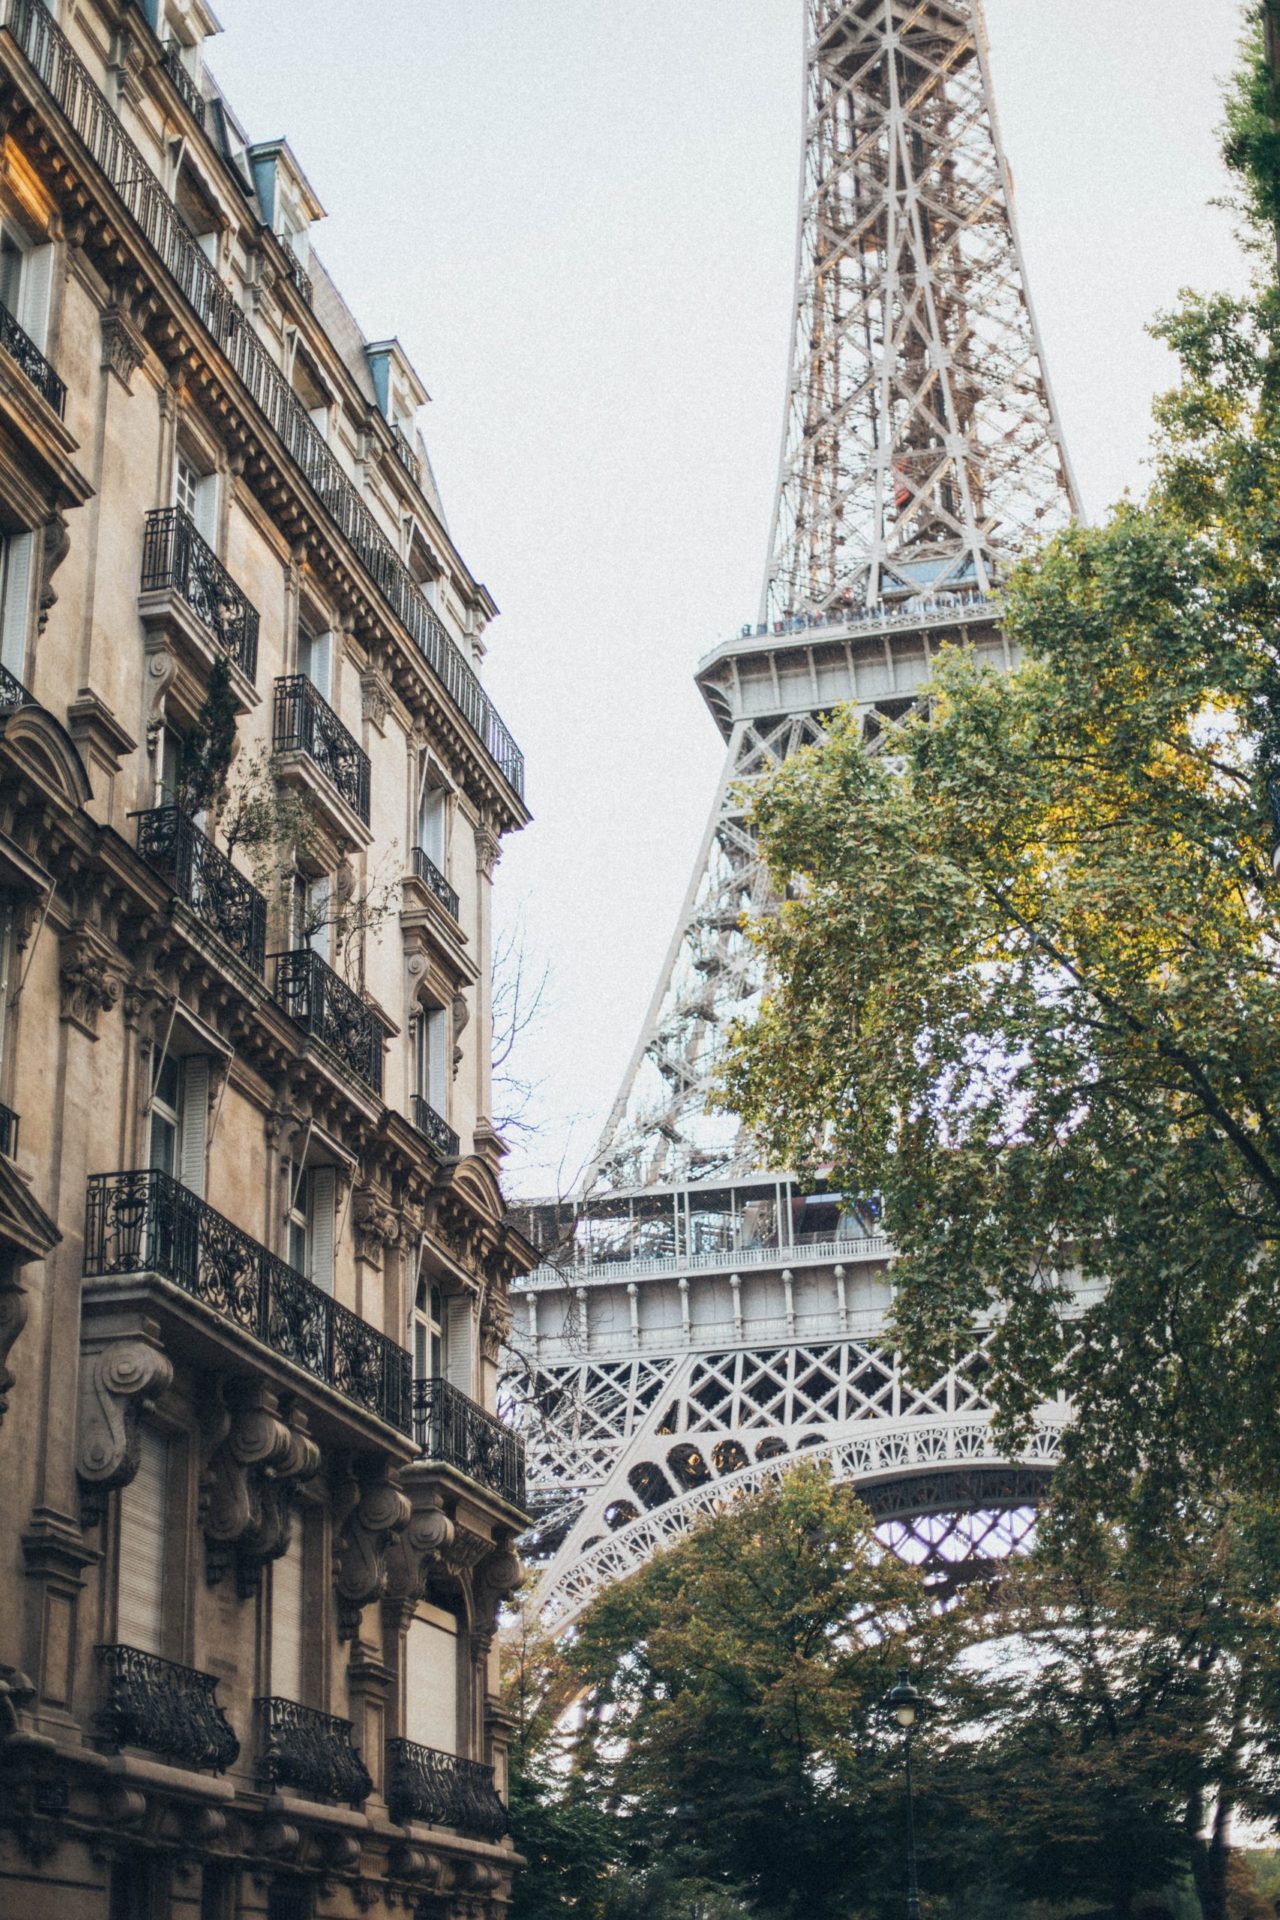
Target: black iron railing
{"x":310,"y":1752}
{"x":164,"y":1708}
{"x":448,"y":1426}
{"x":12,"y":693}
{"x":147,"y":1222}
{"x":221,"y":899}
{"x":425,"y":1785}
{"x":405,"y":454}
{"x":306,"y":723}
{"x":175,"y":554}
{"x":91,"y":116}
{"x":434,"y":881}
{"x":189,"y":93}
{"x":21,"y":347}
{"x":322,"y":1004}
{"x":298,"y":273}
{"x":435,"y":1129}
{"x":8,"y":1133}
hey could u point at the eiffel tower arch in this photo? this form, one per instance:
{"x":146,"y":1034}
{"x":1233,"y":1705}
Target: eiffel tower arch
{"x":699,"y":1321}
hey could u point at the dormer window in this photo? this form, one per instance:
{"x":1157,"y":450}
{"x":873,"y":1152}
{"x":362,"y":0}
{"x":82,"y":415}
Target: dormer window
{"x":288,"y":204}
{"x":312,"y":392}
{"x":400,"y":395}
{"x":198,"y":211}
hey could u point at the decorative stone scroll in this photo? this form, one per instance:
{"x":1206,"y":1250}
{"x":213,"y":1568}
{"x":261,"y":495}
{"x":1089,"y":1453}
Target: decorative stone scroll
{"x":116,"y":1381}
{"x":257,"y":1463}
{"x":424,"y":1543}
{"x":88,"y":979}
{"x":378,"y":1512}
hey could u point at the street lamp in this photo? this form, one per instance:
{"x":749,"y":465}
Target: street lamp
{"x":905,"y":1705}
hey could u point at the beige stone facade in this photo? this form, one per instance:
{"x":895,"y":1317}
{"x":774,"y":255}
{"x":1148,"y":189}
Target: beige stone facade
{"x":257,"y":1511}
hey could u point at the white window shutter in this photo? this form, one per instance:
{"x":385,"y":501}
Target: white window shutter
{"x":286,"y":1620}
{"x":458,"y":1341}
{"x":431,"y":1686}
{"x":437,"y":1055}
{"x":206,"y":513}
{"x":15,"y":616}
{"x":195,"y":1123}
{"x":37,"y":286}
{"x":324,"y":1191}
{"x":143,"y":1516}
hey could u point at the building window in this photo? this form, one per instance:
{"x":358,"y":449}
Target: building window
{"x":196,"y":492}
{"x":431,"y":1052}
{"x":431,"y":1680}
{"x":15,"y":601}
{"x":428,"y":1333}
{"x":433,"y":806}
{"x":8,"y":974}
{"x":312,"y":1220}
{"x":180,"y":1120}
{"x":315,"y":658}
{"x":144,"y":1521}
{"x":26,"y":280}
{"x":311,"y":914}
{"x":287,"y":1638}
{"x":137,"y":1892}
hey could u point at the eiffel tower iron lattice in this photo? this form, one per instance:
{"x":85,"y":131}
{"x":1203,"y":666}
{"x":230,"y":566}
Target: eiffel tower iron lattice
{"x":921,"y":455}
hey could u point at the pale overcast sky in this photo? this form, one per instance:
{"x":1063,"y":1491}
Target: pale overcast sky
{"x":578,"y":218}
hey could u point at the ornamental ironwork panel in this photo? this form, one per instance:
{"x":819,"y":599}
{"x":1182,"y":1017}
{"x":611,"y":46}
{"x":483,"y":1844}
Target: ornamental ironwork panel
{"x":12,"y":693}
{"x":148,"y":1222}
{"x":434,"y":881}
{"x":21,"y":347}
{"x":86,"y":107}
{"x":319,"y":1001}
{"x":306,"y":723}
{"x":164,"y":1708}
{"x":190,"y":94}
{"x":176,"y":554}
{"x":8,"y":1132}
{"x":221,"y":899}
{"x":297,"y":273}
{"x":450,"y":1427}
{"x":310,"y":1752}
{"x":435,"y":1129}
{"x":423,"y":1784}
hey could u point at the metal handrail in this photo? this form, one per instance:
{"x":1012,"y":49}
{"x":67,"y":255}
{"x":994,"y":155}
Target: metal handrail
{"x":188,"y":92}
{"x":176,"y":554}
{"x":319,"y":1001}
{"x":223,"y":900}
{"x":8,"y":1133}
{"x":872,"y":1246}
{"x":96,"y":124}
{"x":12,"y":693}
{"x":306,"y":723}
{"x":425,"y":1784}
{"x":163,"y":1707}
{"x":426,"y":870}
{"x":144,"y":1221}
{"x":434,"y":1128}
{"x":450,"y":1427}
{"x":21,"y":347}
{"x":311,"y":1752}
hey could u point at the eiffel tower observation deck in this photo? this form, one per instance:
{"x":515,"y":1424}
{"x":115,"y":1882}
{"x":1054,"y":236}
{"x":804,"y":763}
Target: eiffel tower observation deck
{"x":698,"y":1319}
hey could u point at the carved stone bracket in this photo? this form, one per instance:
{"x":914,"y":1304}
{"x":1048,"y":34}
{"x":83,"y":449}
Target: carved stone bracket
{"x":88,"y":979}
{"x":161,"y":668}
{"x":461,"y":1015}
{"x":376,"y":1225}
{"x":116,"y":1382}
{"x":13,"y":1318}
{"x":425,"y":1542}
{"x":495,"y":1323}
{"x":494,"y":1580}
{"x":122,"y":349}
{"x":256,"y":1464}
{"x":376,"y":699}
{"x":54,"y":548}
{"x":377,"y":1513}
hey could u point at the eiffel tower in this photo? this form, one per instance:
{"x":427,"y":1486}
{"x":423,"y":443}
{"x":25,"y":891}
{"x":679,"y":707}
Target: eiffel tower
{"x":697,"y":1320}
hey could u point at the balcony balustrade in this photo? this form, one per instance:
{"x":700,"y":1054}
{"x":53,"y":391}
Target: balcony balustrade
{"x":405,"y":454}
{"x":21,"y":347}
{"x":298,"y":273}
{"x":323,"y":1005}
{"x":8,"y":1133}
{"x":423,"y":1784}
{"x":426,"y":870}
{"x":310,"y":1752}
{"x":121,"y":162}
{"x":306,"y":723}
{"x":176,"y":555}
{"x":12,"y":693}
{"x":221,"y":899}
{"x":164,"y":1708}
{"x":450,"y":1428}
{"x":189,"y":93}
{"x":434,"y":1130}
{"x":147,"y":1222}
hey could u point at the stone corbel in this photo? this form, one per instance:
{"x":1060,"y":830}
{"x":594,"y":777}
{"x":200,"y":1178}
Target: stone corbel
{"x":494,"y":1580}
{"x":13,"y":1318}
{"x":376,"y":1225}
{"x":375,"y":699}
{"x":162,"y":665}
{"x":461,"y":1015}
{"x":88,"y":979}
{"x":377,"y":1511}
{"x":488,"y":852}
{"x":424,"y":1543}
{"x":495,"y":1324}
{"x":256,"y":1464}
{"x":123,"y":351}
{"x":54,"y":548}
{"x":117,"y":1381}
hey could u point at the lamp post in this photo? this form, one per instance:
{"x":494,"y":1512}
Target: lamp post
{"x":906,"y":1705}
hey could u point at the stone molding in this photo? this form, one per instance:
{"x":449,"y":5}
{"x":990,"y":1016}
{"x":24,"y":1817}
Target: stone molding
{"x":117,"y":1381}
{"x":377,"y":1512}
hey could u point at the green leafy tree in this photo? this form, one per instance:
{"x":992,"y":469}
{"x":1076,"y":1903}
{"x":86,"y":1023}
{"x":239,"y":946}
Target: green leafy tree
{"x":208,"y":746}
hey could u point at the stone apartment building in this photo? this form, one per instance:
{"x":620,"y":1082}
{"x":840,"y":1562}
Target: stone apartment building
{"x":257,"y":1510}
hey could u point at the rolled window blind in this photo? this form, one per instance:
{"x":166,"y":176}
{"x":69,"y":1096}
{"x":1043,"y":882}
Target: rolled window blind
{"x":431,"y":1685}
{"x":143,"y":1521}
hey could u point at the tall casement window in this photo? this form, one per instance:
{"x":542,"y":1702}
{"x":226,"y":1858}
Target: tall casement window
{"x":195,"y":490}
{"x":431,"y":1679}
{"x":311,"y":914}
{"x":433,"y":804}
{"x":428,"y":1333}
{"x":431,"y":1054}
{"x":288,"y":1677}
{"x":312,"y":1221}
{"x":179,"y":1125}
{"x":26,"y":280}
{"x":459,"y":1341}
{"x":315,"y":658}
{"x":144,"y":1520}
{"x":16,"y":559}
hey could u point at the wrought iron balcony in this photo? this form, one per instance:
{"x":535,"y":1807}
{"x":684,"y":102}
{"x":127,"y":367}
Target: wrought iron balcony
{"x":426,"y":870}
{"x":449,"y":1427}
{"x":221,"y":899}
{"x":436,"y":1131}
{"x":12,"y":693}
{"x":306,"y":723}
{"x":189,"y":93}
{"x":423,"y":1784}
{"x":175,"y":554}
{"x":147,"y":1222}
{"x":123,"y":165}
{"x":21,"y":347}
{"x":164,"y":1708}
{"x":323,"y":1005}
{"x":310,"y":1752}
{"x":405,"y":454}
{"x":8,"y":1133}
{"x":298,"y":273}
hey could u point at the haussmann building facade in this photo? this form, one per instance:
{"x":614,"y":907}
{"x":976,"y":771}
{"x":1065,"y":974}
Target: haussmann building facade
{"x":257,"y":1510}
